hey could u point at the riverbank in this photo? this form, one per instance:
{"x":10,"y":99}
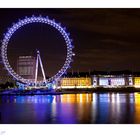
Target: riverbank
{"x":101,"y":89}
{"x":67,"y":91}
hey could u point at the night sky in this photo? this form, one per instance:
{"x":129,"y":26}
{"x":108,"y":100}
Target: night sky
{"x":104,"y":39}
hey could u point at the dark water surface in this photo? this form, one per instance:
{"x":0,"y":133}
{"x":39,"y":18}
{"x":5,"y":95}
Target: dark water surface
{"x":94,"y":108}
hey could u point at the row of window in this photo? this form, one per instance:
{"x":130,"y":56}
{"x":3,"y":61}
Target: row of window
{"x":137,"y":80}
{"x":100,"y":81}
{"x":76,"y":82}
{"x":25,"y":71}
{"x":26,"y":63}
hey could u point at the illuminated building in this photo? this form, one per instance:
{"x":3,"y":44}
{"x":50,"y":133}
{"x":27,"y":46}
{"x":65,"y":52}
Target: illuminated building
{"x":108,"y":81}
{"x":26,"y":66}
{"x":136,"y":81}
{"x":103,"y":81}
{"x":115,"y":81}
{"x":112,"y":81}
{"x":80,"y":82}
{"x":130,"y":81}
{"x":95,"y":81}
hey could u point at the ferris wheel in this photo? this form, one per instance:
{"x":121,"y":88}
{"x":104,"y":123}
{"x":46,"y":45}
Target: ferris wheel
{"x":31,"y":20}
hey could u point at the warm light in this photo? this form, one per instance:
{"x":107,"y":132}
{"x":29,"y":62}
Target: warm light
{"x":137,"y":86}
{"x":71,"y":87}
{"x":76,"y":82}
{"x":137,"y":82}
{"x":137,"y":109}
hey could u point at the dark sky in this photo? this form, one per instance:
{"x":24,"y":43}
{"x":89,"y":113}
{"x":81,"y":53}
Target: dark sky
{"x":104,"y":39}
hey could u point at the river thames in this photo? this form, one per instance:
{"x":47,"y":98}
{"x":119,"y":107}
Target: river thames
{"x":85,"y":108}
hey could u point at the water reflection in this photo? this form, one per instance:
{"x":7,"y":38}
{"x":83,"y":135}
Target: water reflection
{"x":71,"y":108}
{"x":137,"y":107}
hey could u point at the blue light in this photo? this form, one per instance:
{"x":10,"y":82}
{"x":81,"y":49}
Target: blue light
{"x":34,"y":19}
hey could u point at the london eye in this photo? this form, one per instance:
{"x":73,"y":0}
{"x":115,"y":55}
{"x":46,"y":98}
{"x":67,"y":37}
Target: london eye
{"x":42,"y":20}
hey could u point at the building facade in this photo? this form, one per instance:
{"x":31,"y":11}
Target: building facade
{"x":106,"y":81}
{"x":112,"y":80}
{"x":137,"y":81}
{"x":79,"y":82}
{"x":26,"y":66}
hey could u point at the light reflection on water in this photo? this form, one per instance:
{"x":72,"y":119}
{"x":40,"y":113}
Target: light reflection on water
{"x":71,"y":108}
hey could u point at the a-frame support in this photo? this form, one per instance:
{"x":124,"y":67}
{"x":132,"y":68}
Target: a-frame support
{"x":38,"y":60}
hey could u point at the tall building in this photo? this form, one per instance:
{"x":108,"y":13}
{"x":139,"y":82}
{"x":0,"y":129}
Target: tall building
{"x":26,"y":66}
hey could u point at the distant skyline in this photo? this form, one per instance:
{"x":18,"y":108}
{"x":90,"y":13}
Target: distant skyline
{"x":104,"y":39}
